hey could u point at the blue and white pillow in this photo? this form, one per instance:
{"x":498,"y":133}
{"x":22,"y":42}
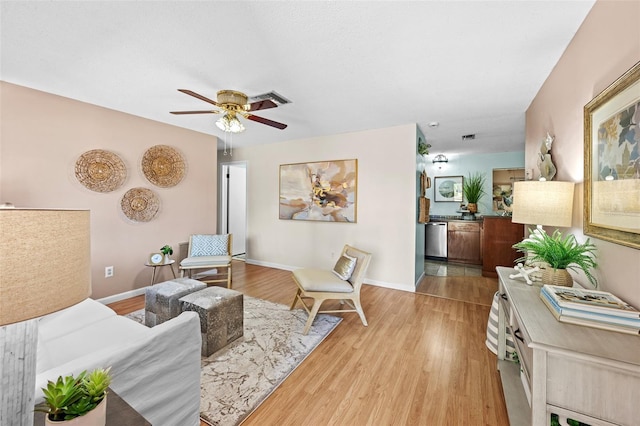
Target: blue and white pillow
{"x":209,"y":245}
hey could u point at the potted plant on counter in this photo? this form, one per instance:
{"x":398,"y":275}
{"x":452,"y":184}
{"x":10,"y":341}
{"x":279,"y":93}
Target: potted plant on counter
{"x":560,"y":253}
{"x":473,"y":190}
{"x":81,"y":400}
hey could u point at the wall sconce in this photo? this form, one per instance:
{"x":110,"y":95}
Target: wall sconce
{"x":440,"y":158}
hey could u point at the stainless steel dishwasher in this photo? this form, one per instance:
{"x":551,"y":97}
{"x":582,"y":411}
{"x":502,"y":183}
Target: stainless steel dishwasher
{"x":436,"y":240}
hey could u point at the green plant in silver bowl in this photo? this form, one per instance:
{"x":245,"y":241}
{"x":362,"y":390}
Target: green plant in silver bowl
{"x":559,"y":252}
{"x":70,"y":397}
{"x":167,"y":250}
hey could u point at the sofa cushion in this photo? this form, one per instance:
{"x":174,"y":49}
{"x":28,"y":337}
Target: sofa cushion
{"x":53,"y":326}
{"x":74,"y":317}
{"x":77,"y":342}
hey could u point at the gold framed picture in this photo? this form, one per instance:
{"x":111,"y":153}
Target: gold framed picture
{"x":319,"y":191}
{"x":612,"y":162}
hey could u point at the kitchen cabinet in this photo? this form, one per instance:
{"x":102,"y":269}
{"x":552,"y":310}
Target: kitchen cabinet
{"x":499,"y":235}
{"x":464,"y":242}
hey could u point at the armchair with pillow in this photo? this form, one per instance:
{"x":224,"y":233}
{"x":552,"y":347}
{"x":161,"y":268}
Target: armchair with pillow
{"x":208,"y":251}
{"x":342,"y":283}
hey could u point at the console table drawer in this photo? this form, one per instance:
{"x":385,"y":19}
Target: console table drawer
{"x":588,"y":387}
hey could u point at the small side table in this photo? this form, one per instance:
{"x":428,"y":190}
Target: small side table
{"x":169,"y":263}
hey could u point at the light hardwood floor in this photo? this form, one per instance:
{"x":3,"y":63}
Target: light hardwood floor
{"x":421,"y":361}
{"x":458,"y":282}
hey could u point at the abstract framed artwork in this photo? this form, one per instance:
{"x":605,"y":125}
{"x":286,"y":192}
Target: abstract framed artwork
{"x":448,"y":188}
{"x":324,"y":191}
{"x":612,"y":162}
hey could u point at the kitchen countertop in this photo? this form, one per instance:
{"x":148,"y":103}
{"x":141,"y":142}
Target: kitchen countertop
{"x":454,"y":218}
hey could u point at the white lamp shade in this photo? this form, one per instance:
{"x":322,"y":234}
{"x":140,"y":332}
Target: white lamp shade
{"x":547,"y":203}
{"x":45,"y":262}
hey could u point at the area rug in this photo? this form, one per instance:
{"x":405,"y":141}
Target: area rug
{"x":238,"y":378}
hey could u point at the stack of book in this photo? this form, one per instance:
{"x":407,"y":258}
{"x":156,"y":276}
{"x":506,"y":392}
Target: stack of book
{"x":592,"y":308}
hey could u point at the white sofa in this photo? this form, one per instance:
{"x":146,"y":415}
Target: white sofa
{"x":156,"y":370}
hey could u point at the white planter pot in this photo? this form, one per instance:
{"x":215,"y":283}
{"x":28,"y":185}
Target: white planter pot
{"x":95,"y":417}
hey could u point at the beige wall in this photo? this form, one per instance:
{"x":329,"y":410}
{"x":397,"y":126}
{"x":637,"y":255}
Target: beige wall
{"x":606,"y":45}
{"x":386,"y":205}
{"x":42,"y":136}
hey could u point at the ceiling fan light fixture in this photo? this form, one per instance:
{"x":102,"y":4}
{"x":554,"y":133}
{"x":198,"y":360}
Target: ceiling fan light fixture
{"x":235,"y":126}
{"x":229,"y":123}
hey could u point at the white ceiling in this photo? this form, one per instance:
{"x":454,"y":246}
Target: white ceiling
{"x":473,"y":66}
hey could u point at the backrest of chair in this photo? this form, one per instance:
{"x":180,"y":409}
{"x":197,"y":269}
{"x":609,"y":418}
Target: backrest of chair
{"x":210,"y":245}
{"x":357,"y":276}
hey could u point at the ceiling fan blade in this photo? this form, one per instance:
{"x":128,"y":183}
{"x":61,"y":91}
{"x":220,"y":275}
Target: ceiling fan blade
{"x":264,"y":104}
{"x":195,"y":95}
{"x":195,"y":112}
{"x":266,"y":121}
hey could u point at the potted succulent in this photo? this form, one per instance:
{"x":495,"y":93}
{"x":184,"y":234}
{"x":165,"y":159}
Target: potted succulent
{"x":473,"y":190}
{"x":167,"y":251}
{"x":560,"y":253}
{"x":80,"y":400}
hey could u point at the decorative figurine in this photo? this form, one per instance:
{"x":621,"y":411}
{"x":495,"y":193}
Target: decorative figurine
{"x":546,"y":166}
{"x":524,"y":273}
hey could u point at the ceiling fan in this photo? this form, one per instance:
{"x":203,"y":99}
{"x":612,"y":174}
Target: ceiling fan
{"x":233,"y":103}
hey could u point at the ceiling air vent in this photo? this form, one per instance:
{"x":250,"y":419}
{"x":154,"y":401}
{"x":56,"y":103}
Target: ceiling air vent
{"x":275,"y":97}
{"x":468,"y":137}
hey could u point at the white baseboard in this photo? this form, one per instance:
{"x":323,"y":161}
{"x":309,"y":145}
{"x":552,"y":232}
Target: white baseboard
{"x":393,"y":286}
{"x":139,"y":291}
{"x":122,"y":296}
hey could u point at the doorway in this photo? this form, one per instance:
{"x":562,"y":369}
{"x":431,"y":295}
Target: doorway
{"x":233,"y":208}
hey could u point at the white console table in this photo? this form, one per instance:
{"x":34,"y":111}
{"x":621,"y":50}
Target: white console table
{"x":576,"y":372}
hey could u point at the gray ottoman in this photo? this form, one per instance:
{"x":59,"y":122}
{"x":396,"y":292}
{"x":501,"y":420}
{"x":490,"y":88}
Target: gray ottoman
{"x":161,"y":301}
{"x":221,"y":316}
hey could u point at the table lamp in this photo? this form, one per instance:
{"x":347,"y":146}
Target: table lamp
{"x":543,"y":203}
{"x":45,"y":266}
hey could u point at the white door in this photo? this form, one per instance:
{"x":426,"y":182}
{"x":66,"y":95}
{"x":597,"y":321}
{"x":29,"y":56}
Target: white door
{"x":234,"y":204}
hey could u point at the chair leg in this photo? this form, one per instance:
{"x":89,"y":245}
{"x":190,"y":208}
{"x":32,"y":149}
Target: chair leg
{"x":295,"y":300}
{"x":358,"y":306}
{"x":229,"y":276}
{"x":312,"y":315}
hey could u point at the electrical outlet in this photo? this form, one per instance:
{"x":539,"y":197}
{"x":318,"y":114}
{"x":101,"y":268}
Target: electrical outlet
{"x":108,"y":272}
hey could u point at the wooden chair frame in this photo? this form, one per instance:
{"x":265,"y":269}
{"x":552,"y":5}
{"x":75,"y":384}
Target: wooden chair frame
{"x":352,"y":299}
{"x":216,"y":264}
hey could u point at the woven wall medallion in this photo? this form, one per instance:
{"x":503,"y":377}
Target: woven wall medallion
{"x":163,"y":166}
{"x":100,"y":170}
{"x":140,"y":204}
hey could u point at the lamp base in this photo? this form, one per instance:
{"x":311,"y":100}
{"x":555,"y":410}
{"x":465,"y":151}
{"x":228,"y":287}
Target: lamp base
{"x":18,"y":349}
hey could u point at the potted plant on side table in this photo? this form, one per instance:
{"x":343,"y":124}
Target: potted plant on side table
{"x":167,"y":251}
{"x":559,"y":253}
{"x":473,"y":190}
{"x":77,"y":401}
